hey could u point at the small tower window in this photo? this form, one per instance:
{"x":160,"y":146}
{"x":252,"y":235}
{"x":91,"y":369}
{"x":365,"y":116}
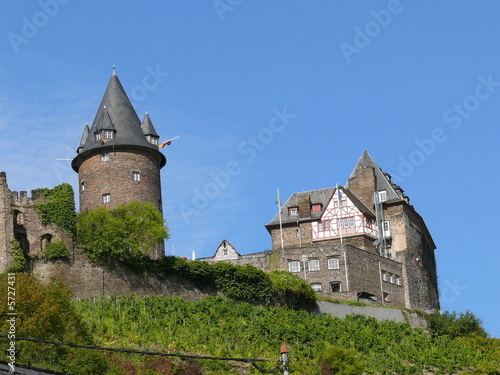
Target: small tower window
{"x":105,"y":157}
{"x":82,"y":186}
{"x":136,"y":176}
{"x":153,"y":140}
{"x":107,"y":134}
{"x":106,"y":198}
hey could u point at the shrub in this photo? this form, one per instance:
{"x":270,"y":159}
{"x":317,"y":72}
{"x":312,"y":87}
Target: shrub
{"x":126,"y":233}
{"x":291,"y":290}
{"x":447,"y":323}
{"x":18,"y":259}
{"x":55,"y":250}
{"x":243,"y":283}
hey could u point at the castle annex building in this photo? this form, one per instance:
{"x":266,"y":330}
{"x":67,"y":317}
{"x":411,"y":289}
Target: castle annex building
{"x":362,"y":241}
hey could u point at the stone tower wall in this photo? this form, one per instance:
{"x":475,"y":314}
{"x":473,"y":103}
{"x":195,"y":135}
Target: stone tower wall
{"x":115,"y":177}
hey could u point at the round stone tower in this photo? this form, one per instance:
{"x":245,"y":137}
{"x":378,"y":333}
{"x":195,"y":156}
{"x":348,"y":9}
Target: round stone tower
{"x":118,"y":159}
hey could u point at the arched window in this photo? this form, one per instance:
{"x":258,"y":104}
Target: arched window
{"x":45,"y":240}
{"x":18,"y":218}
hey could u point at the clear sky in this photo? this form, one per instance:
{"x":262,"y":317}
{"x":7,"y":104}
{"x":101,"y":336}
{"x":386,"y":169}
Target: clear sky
{"x":267,"y":95}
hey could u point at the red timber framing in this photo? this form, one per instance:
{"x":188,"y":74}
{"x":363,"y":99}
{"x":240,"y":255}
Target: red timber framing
{"x":342,"y":217}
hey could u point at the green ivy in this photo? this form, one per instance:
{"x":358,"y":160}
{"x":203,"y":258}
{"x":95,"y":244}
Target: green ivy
{"x":58,"y":207}
{"x":18,"y":259}
{"x":56,"y":250}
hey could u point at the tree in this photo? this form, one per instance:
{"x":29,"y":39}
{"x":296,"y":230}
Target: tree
{"x":45,"y":312}
{"x":126,"y":233}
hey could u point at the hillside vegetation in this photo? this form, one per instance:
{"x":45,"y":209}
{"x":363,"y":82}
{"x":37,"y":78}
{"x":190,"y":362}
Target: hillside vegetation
{"x":220,"y":327}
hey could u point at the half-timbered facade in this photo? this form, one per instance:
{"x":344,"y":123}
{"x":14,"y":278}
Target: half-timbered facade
{"x":344,"y":216}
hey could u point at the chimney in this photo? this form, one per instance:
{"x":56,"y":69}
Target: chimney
{"x":304,"y":206}
{"x":363,"y":185}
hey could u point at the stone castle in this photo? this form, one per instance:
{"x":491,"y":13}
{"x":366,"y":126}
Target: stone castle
{"x":359,"y":242}
{"x":362,"y":241}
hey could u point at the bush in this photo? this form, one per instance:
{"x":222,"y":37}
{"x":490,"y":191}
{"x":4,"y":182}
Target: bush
{"x":465,"y":324}
{"x":242,"y":283}
{"x":126,"y":233}
{"x":18,"y":259}
{"x":291,"y":290}
{"x":55,"y":250}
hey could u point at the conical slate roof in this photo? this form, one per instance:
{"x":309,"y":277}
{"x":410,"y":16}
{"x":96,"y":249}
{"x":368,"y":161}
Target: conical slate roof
{"x":116,"y":114}
{"x":147,"y":126}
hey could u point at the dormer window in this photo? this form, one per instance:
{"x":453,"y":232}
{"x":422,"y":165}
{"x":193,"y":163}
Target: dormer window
{"x":104,"y":134}
{"x":316,"y":207}
{"x":107,"y":134}
{"x":293,"y":210}
{"x":152,"y":139}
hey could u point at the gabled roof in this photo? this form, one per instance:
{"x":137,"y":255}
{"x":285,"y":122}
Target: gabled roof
{"x":147,"y":126}
{"x":394,"y":192}
{"x":116,"y":113}
{"x":321,"y":196}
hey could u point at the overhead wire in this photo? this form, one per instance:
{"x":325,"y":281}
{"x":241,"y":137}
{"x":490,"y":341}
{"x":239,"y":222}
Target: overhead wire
{"x":178,"y":355}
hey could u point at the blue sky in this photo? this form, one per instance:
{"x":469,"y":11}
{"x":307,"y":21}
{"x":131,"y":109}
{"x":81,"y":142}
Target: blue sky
{"x":266,"y":95}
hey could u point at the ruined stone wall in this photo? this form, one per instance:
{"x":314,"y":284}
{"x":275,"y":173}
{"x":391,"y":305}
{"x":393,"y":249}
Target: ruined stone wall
{"x":6,"y":223}
{"x":29,"y":230}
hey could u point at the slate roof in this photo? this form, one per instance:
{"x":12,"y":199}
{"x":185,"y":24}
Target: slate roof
{"x":394,"y":192}
{"x":117,"y":114}
{"x":322,"y":196}
{"x":147,"y":126}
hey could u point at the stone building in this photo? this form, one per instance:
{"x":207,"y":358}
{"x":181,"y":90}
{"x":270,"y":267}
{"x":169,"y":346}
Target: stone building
{"x":362,"y":241}
{"x":118,"y":159}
